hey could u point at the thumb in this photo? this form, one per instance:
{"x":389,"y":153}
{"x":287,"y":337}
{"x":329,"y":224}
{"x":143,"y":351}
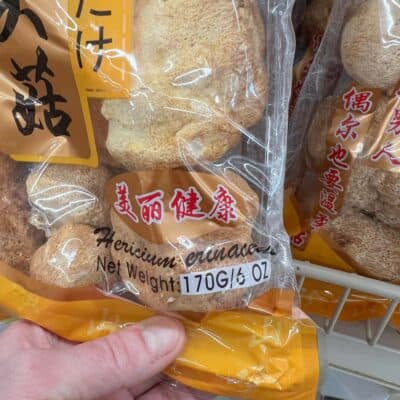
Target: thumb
{"x":121,"y":360}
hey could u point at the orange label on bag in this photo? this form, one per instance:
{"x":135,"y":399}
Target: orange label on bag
{"x":100,"y":41}
{"x":164,"y":206}
{"x":55,"y":55}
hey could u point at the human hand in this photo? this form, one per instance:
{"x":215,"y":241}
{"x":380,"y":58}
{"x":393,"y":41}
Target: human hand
{"x":36,"y":365}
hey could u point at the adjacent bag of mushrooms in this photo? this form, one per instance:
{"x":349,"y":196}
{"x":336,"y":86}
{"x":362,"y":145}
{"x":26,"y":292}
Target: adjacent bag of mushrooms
{"x":310,"y":19}
{"x":142,"y":162}
{"x":342,"y":206}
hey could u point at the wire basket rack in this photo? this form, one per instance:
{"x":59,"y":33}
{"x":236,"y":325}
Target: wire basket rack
{"x":368,"y":350}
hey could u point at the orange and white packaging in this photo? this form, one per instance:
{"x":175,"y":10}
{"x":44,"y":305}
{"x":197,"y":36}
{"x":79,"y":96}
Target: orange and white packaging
{"x":142,"y":160}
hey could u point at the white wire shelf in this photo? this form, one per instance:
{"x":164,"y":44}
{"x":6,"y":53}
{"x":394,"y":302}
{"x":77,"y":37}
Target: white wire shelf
{"x":368,"y":350}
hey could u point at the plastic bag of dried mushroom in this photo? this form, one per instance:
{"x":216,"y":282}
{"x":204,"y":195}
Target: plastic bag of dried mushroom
{"x":155,"y":177}
{"x":310,"y":19}
{"x":344,"y":176}
{"x":142,"y":155}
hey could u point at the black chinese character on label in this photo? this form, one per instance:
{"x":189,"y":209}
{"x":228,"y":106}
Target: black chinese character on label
{"x":100,"y":13}
{"x":99,"y":43}
{"x":24,"y":112}
{"x":12,"y":9}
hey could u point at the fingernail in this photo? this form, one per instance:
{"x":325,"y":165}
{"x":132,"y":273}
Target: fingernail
{"x":162,"y":335}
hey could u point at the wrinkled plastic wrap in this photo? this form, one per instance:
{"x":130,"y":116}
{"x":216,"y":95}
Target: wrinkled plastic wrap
{"x":342,"y":202}
{"x":189,"y":171}
{"x":310,"y":19}
{"x":142,"y":159}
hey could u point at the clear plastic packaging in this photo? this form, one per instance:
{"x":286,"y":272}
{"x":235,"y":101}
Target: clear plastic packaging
{"x":342,"y":201}
{"x":183,"y":209}
{"x":143,"y":151}
{"x":310,"y":19}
